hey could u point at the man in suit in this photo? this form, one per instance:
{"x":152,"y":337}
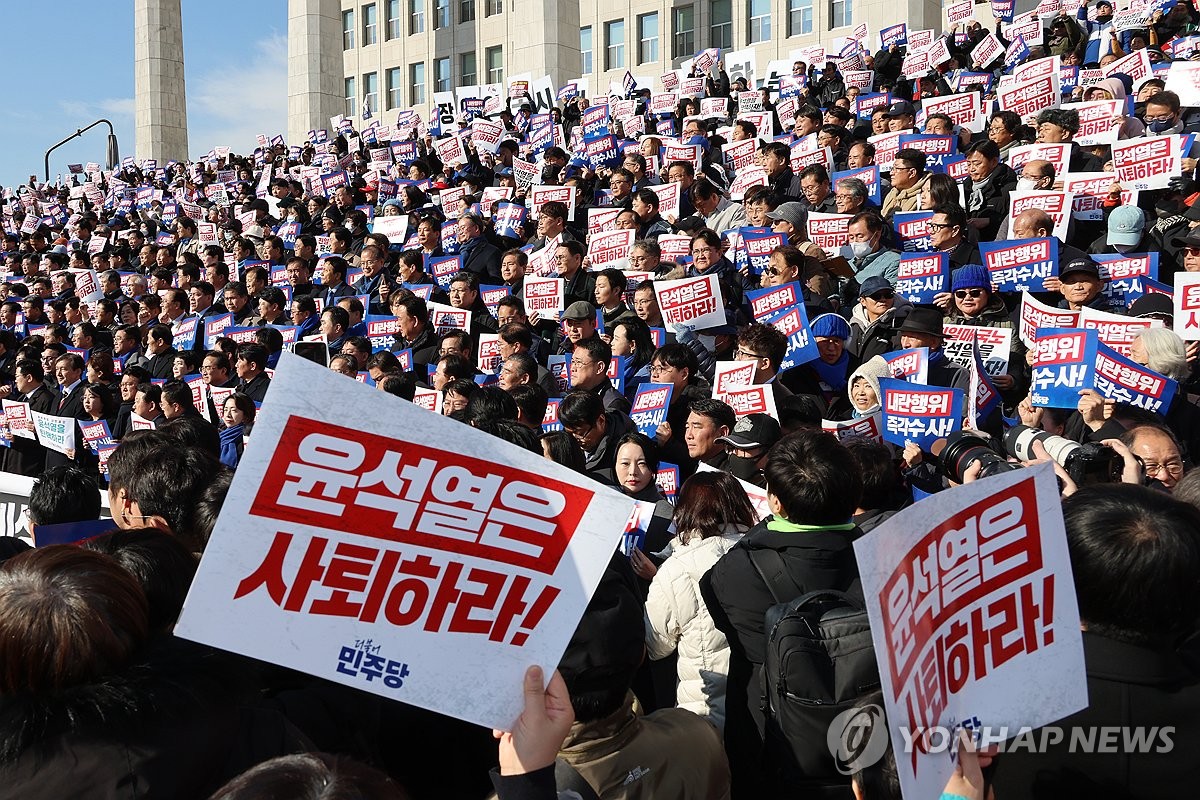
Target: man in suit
{"x":68,"y":371}
{"x":161,"y":352}
{"x":26,"y":456}
{"x":373,"y":262}
{"x":333,"y":280}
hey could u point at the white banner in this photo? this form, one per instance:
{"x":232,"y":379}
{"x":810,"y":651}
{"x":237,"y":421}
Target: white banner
{"x":361,"y":549}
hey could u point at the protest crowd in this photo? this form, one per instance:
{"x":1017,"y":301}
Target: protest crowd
{"x":777,"y":316}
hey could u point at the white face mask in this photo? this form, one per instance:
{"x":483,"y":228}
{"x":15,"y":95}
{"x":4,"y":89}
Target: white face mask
{"x":1026,"y":184}
{"x":860,"y":249}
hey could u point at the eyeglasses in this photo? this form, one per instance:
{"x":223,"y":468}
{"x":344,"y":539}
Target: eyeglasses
{"x":698,"y":250}
{"x":939,"y":226}
{"x":1173,"y":468}
{"x":961,"y":293}
{"x":1161,"y":118}
{"x":896,"y":168}
{"x":740,"y":353}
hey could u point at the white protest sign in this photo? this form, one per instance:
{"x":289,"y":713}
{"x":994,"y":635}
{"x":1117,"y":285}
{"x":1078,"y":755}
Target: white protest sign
{"x":668,"y":199}
{"x":1187,"y":305}
{"x":394,"y":228}
{"x":54,"y":433}
{"x":970,"y":591}
{"x":87,"y":285}
{"x":1184,"y":79}
{"x":987,"y":51}
{"x":608,"y":248}
{"x":462,"y":566}
{"x":543,"y":295}
{"x":730,"y":375}
{"x":695,"y":302}
{"x":1147,"y":163}
{"x":17,"y":419}
{"x":542,"y":194}
{"x":1056,"y":204}
{"x":1098,"y":123}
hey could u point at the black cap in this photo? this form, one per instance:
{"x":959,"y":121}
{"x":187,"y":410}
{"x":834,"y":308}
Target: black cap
{"x":900,"y":108}
{"x":753,"y":431}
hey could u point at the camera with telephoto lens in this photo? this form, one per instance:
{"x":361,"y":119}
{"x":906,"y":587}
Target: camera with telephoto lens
{"x":1086,"y":463}
{"x":961,"y":449}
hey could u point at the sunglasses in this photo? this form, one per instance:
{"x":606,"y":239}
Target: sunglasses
{"x":961,"y":293}
{"x":878,"y":296}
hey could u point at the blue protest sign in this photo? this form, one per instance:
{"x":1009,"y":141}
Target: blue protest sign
{"x":921,"y":276}
{"x":919,"y":414}
{"x":1125,"y":381}
{"x":1020,"y":265}
{"x":650,"y":406}
{"x":1063,"y":364}
{"x":793,"y":323}
{"x":868,"y":175}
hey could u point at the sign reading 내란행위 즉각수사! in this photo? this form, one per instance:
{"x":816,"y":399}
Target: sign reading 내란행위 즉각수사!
{"x":359,"y":548}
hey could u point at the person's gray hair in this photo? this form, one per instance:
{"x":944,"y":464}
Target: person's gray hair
{"x":649,"y":247}
{"x":473,"y":217}
{"x":1165,"y":352}
{"x":854,"y":186}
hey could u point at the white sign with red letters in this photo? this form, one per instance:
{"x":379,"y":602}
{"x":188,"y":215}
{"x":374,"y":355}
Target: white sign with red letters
{"x":362,"y":549}
{"x":974,"y":618}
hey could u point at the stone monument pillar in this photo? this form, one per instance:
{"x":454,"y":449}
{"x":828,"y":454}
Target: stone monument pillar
{"x":161,"y":104}
{"x":315,"y":83}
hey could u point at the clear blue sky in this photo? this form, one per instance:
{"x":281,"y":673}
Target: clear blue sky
{"x":63,"y":77}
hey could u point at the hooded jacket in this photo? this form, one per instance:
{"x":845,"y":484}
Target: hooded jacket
{"x":1132,"y":127}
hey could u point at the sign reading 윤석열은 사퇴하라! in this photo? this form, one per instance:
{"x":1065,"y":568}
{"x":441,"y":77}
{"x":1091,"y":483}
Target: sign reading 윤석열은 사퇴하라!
{"x":361,"y":549}
{"x":974,"y":619}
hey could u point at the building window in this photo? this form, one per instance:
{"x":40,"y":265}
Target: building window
{"x":614,"y":44}
{"x":585,"y":49}
{"x":466,"y":10}
{"x":395,"y":98}
{"x":800,"y":17}
{"x":684,"y":44}
{"x":347,"y":30}
{"x":759,"y":14}
{"x":351,"y":103}
{"x":468,"y":69}
{"x":416,"y":16}
{"x":841,"y":14}
{"x":371,"y":92}
{"x":441,"y":14}
{"x":370,"y":32}
{"x":393,"y":19}
{"x":416,"y":83}
{"x":494,"y":7}
{"x":722,"y":24}
{"x":494,"y":56}
{"x":441,"y":74}
{"x":648,"y":38}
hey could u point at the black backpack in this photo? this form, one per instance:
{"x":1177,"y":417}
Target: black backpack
{"x":819,"y":661}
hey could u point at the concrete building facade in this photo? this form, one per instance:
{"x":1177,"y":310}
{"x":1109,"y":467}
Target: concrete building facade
{"x":160,"y":105}
{"x":398,"y":53}
{"x":314,"y":65}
